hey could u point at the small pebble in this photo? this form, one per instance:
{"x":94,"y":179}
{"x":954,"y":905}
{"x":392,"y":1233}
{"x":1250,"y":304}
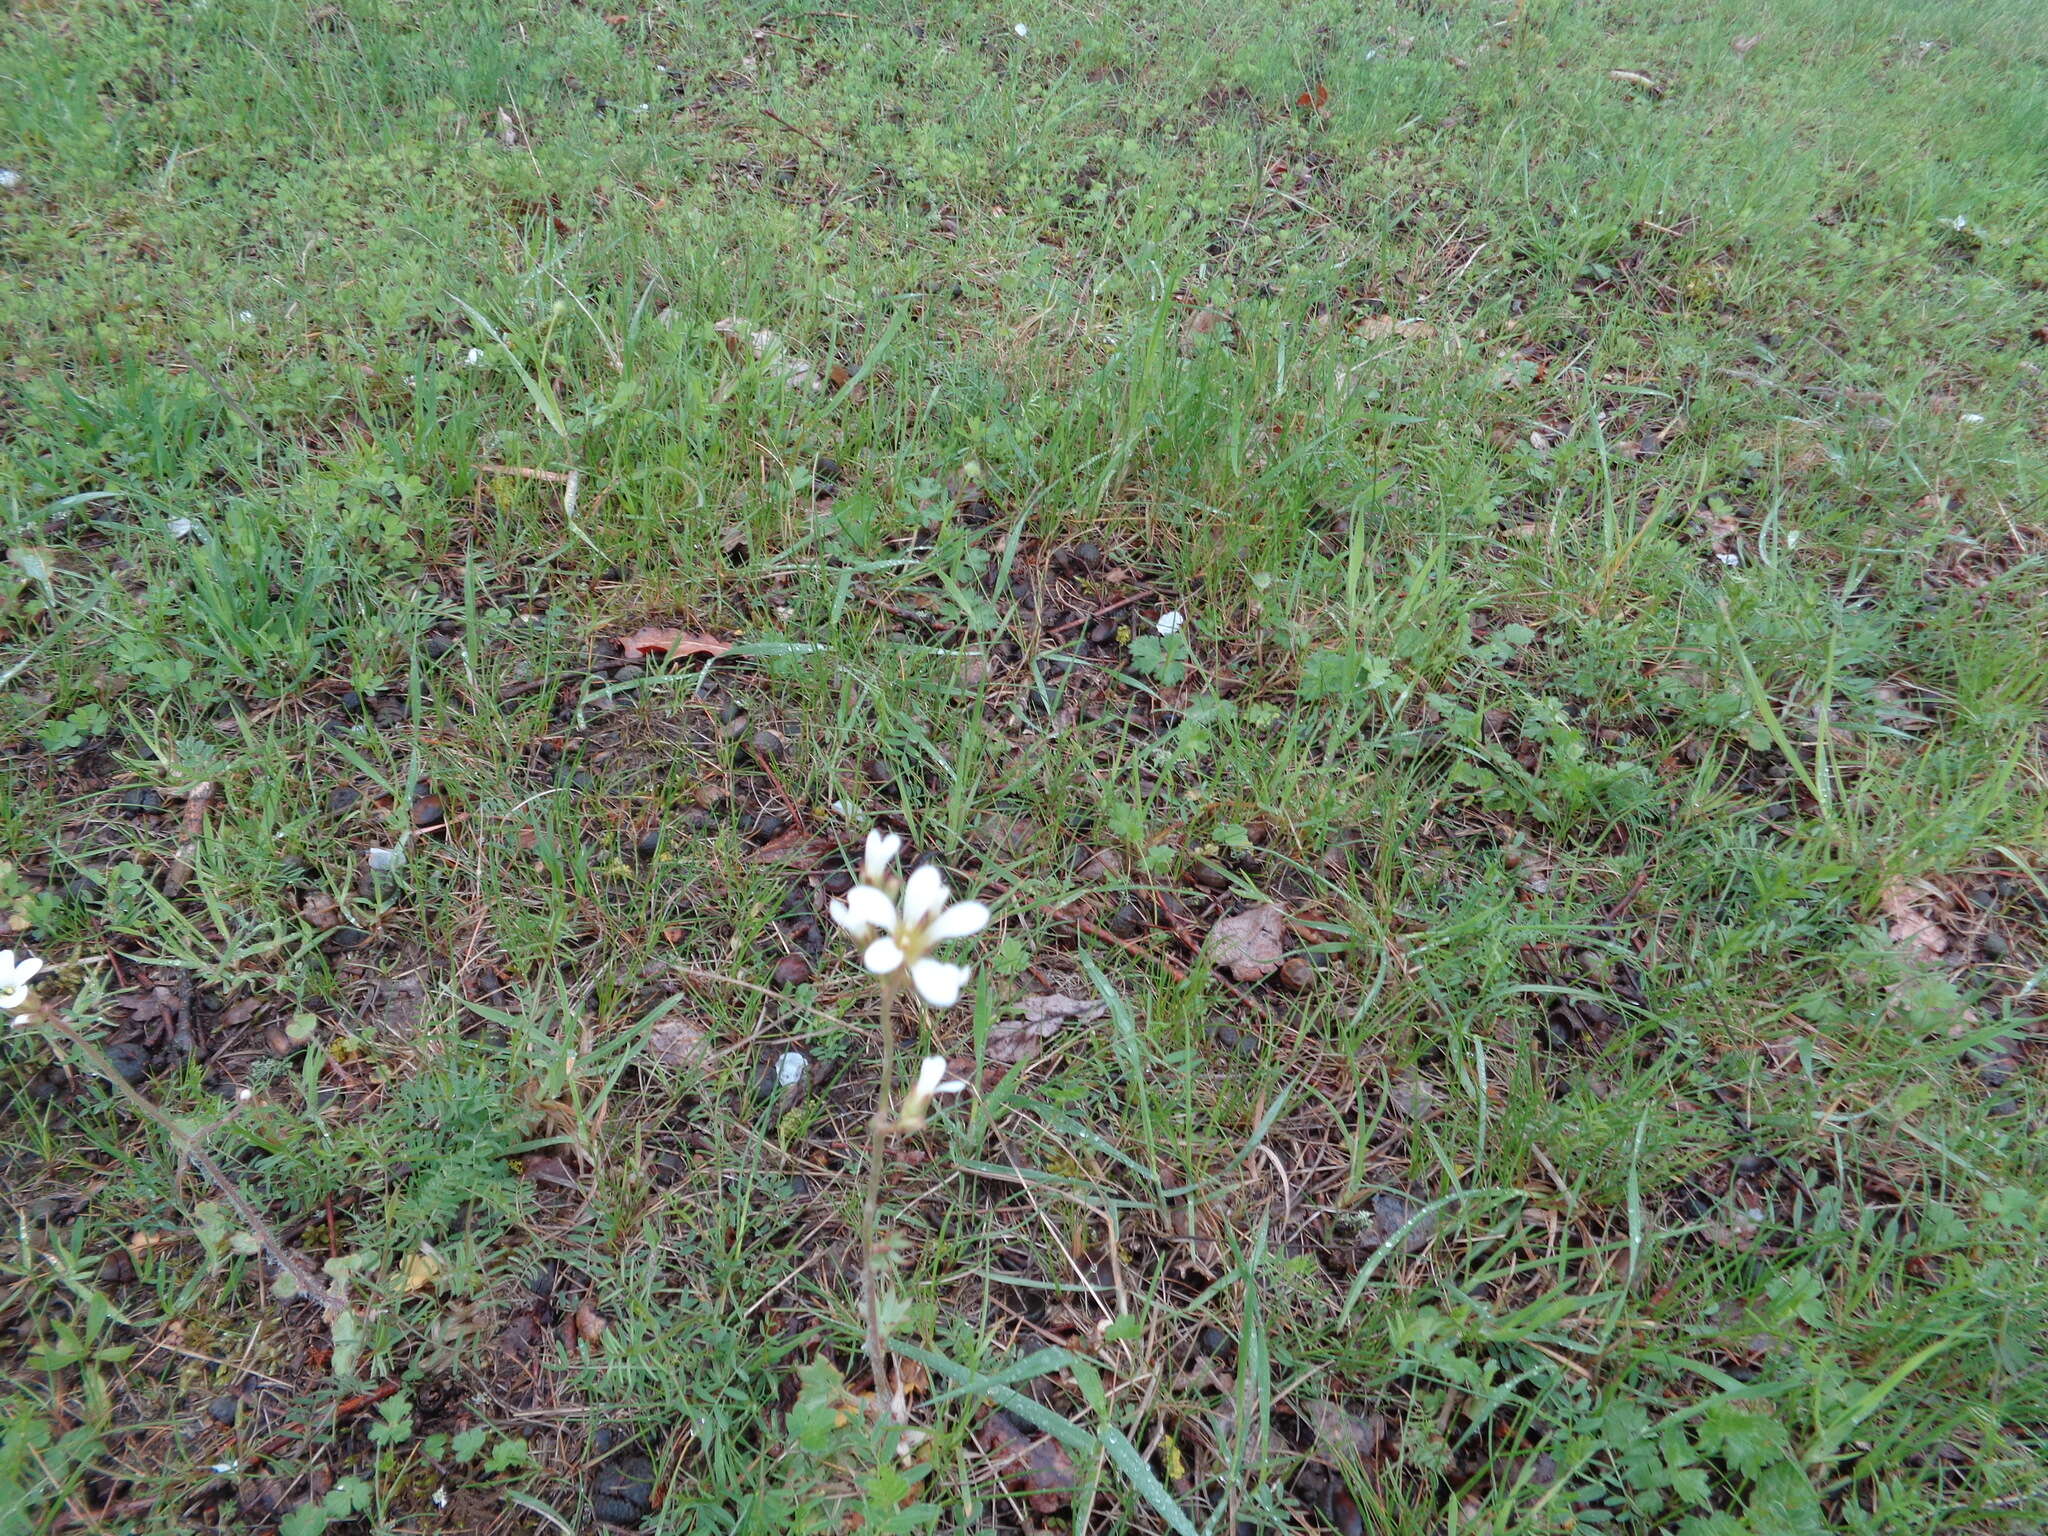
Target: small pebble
{"x":129,"y":1059}
{"x":763,"y":827}
{"x":1127,"y":921}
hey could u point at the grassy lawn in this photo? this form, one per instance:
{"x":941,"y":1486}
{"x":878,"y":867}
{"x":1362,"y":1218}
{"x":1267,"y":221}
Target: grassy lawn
{"x":1520,"y":1011}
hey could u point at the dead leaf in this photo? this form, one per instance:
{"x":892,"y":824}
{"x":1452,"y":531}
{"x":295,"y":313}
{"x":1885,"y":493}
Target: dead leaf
{"x":781,"y":363}
{"x":1379,"y":327}
{"x":1912,"y":929}
{"x":1250,"y":945}
{"x":1342,"y":1435}
{"x":422,"y":1270}
{"x":1742,"y":45}
{"x":548,"y":1169}
{"x":1636,"y":78}
{"x":1037,"y":1466}
{"x":660,"y":641}
{"x":678,"y":1043}
{"x":321,"y":910}
{"x":1018,"y":1040}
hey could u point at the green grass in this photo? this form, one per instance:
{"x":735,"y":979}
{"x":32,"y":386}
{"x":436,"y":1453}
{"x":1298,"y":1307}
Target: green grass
{"x":1629,"y":679}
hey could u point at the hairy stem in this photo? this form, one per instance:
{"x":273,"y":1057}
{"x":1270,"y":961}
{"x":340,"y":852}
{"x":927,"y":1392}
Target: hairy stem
{"x":886,"y":1395}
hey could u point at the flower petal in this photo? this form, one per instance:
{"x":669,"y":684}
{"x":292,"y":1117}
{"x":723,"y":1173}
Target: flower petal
{"x":865,"y":904}
{"x":924,"y":896}
{"x":883,"y":957}
{"x":881,"y":853}
{"x":938,"y":983}
{"x":958,"y":921}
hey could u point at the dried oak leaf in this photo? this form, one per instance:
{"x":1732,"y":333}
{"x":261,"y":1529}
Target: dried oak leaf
{"x":1250,"y":945}
{"x":1018,"y":1040}
{"x":655,"y":640}
{"x":1036,"y":1465}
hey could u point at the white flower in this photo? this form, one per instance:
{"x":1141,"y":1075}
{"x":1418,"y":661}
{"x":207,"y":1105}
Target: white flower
{"x":1021,"y":30}
{"x":15,"y":976}
{"x":928,"y":917}
{"x":868,"y":908}
{"x":1973,"y":419}
{"x":931,"y":1081}
{"x":1171,"y":623}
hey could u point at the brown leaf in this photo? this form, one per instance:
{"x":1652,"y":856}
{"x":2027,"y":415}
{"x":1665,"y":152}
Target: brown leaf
{"x":1379,"y":327}
{"x":655,"y":640}
{"x":1912,"y":929}
{"x":1037,"y":1466}
{"x":1018,"y":1040}
{"x":548,"y":1169}
{"x":1342,"y":1435}
{"x":678,"y":1042}
{"x":1250,"y":945}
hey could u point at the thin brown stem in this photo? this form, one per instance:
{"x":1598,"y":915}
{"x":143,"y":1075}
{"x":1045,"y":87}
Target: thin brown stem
{"x":887,"y":1397}
{"x":310,"y":1285}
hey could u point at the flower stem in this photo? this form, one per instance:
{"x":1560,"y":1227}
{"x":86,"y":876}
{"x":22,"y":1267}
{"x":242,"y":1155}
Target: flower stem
{"x":887,"y":1396}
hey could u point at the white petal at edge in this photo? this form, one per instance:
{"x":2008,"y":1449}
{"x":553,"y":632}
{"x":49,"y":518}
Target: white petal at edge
{"x":959,"y":920}
{"x":865,"y":904}
{"x":938,"y":983}
{"x":883,"y":956}
{"x":881,"y":852}
{"x":924,"y":894}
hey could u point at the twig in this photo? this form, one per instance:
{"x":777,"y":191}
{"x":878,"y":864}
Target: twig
{"x":310,"y":1285}
{"x":195,"y":821}
{"x":792,"y":127}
